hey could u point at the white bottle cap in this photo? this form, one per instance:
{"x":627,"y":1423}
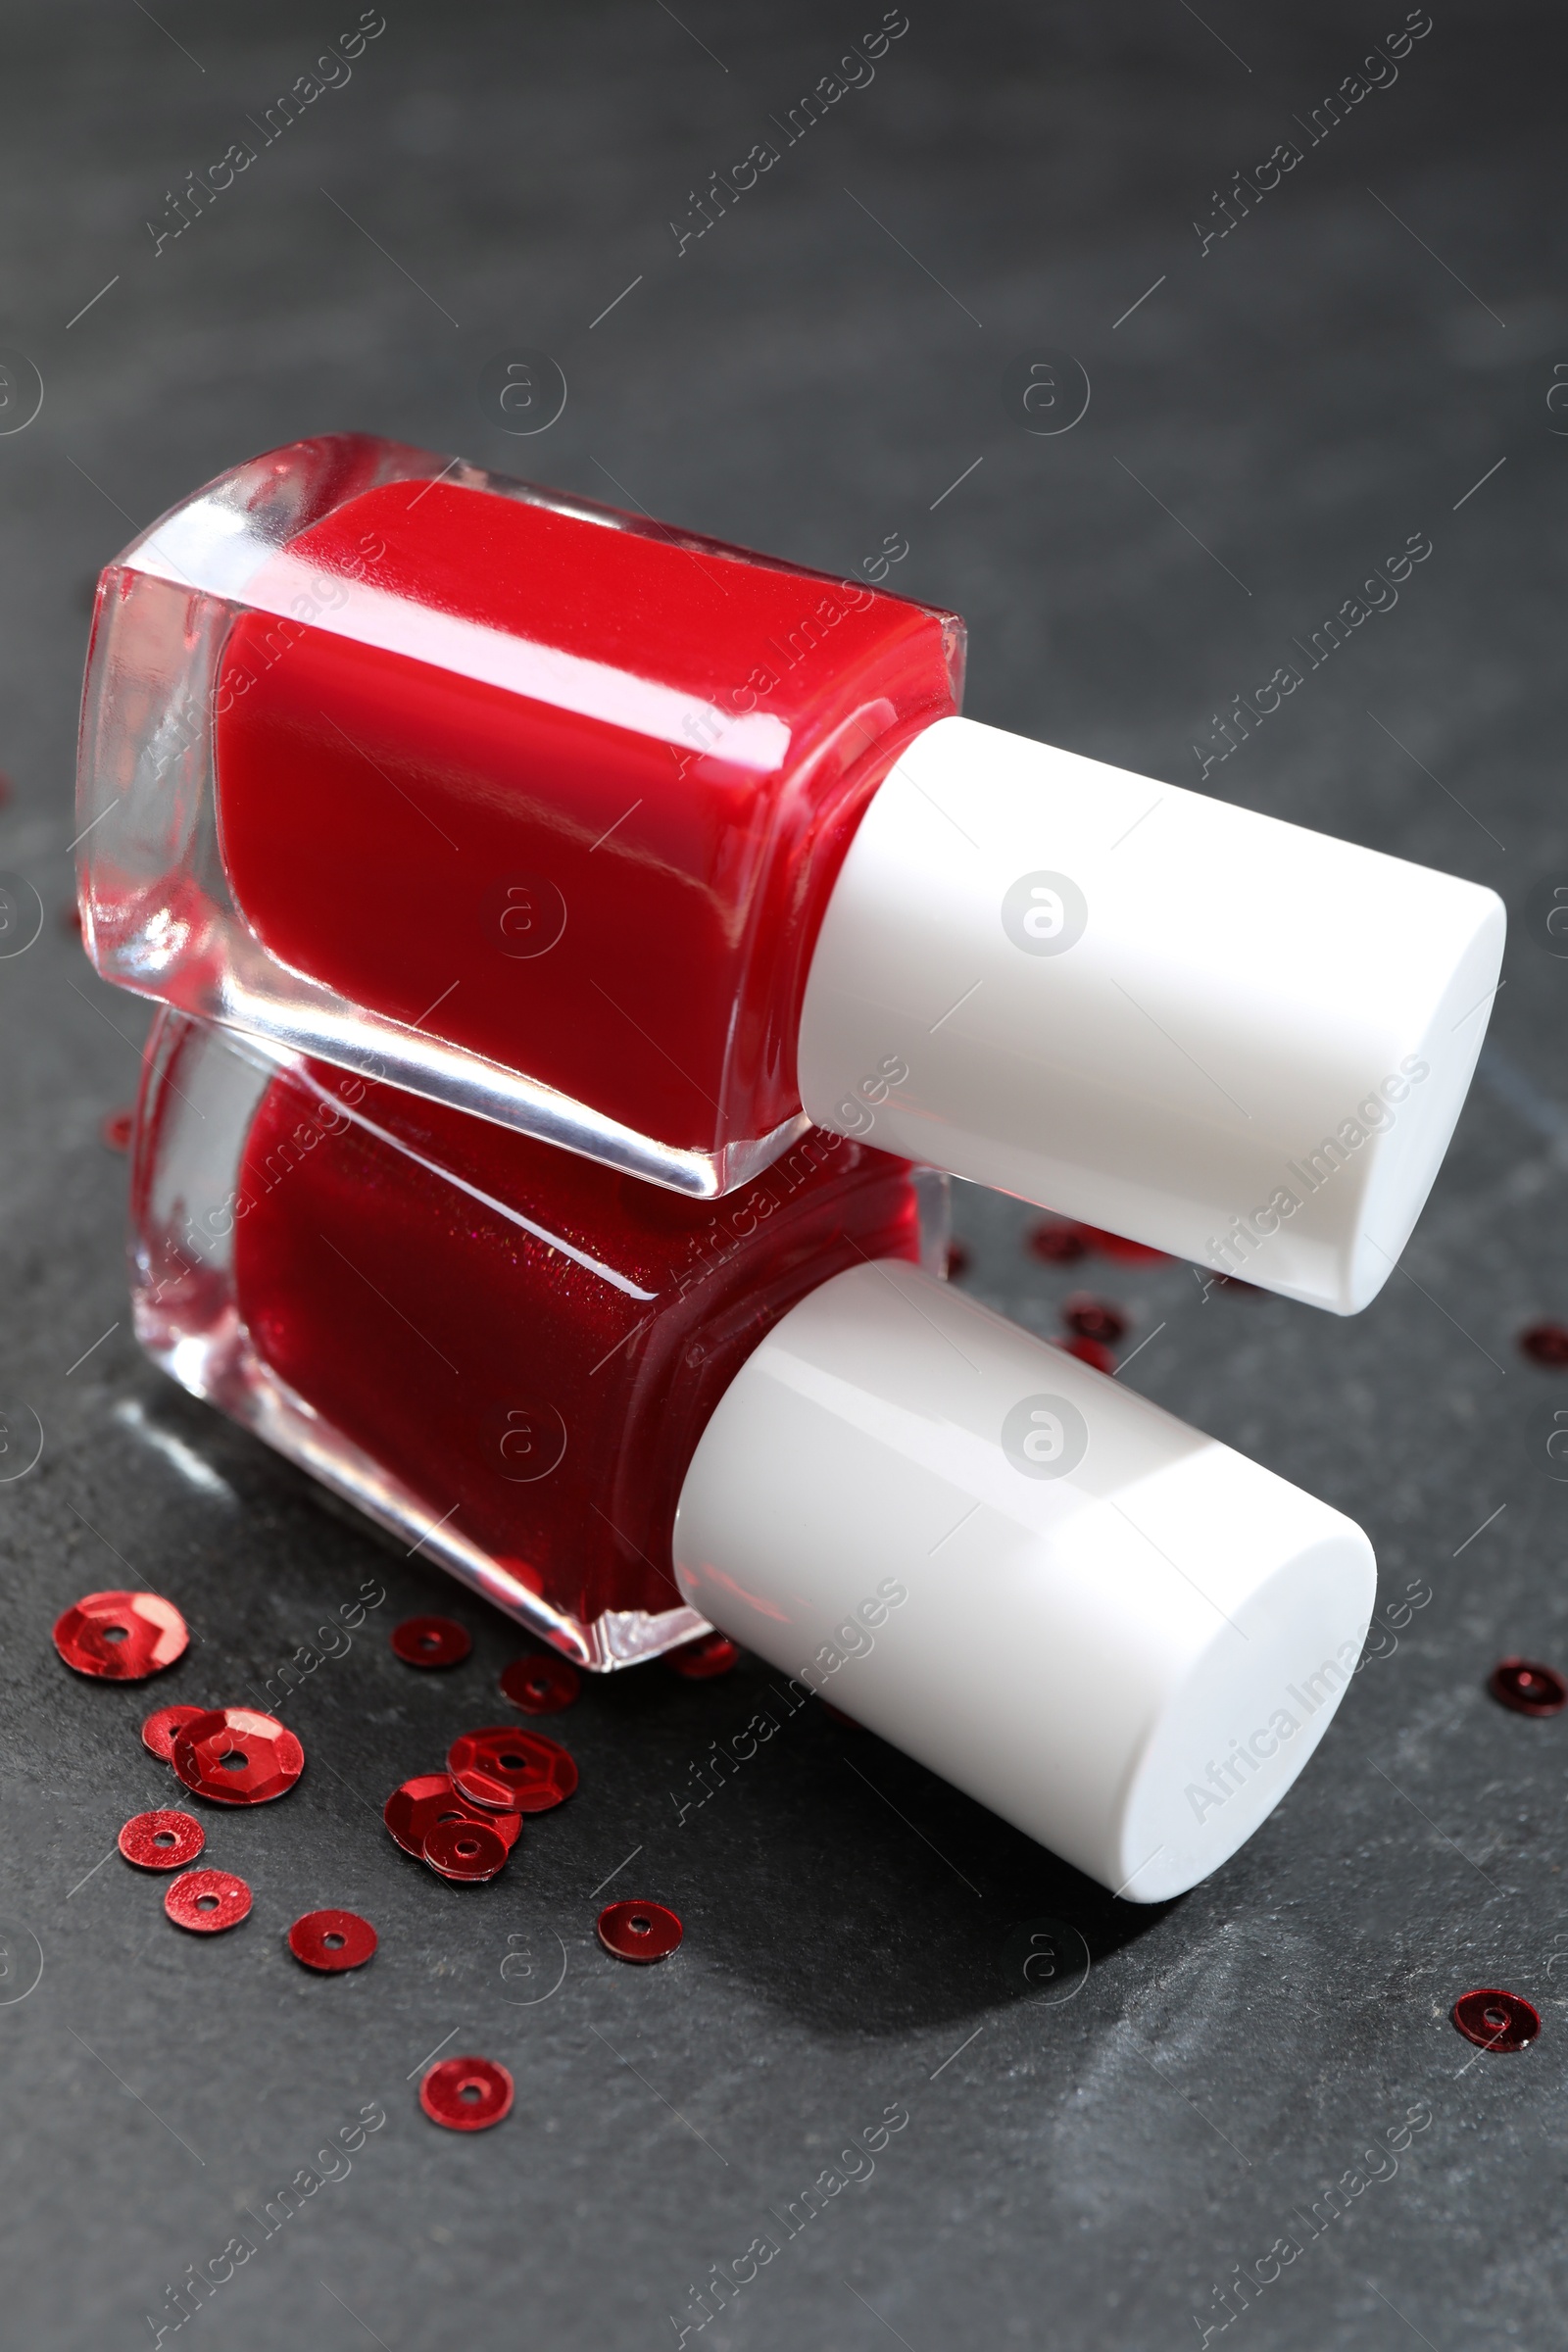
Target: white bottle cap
{"x":1117,"y":1632}
{"x":1224,"y":1036}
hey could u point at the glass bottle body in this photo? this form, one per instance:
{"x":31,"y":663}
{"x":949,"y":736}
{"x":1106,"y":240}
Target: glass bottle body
{"x":529,"y":805}
{"x":502,"y":1354}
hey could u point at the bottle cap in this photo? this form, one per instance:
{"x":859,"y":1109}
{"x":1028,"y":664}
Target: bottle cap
{"x":1117,"y":1632}
{"x":1224,"y":1036}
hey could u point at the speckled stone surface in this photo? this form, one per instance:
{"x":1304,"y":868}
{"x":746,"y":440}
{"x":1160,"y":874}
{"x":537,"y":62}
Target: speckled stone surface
{"x":1080,"y":2162}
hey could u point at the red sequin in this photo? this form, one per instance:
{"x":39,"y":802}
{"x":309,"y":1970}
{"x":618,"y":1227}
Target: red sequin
{"x":509,"y":1770}
{"x":467,"y":1851}
{"x":116,"y":1128}
{"x":412,"y":1811}
{"x":638,"y":1930}
{"x":1528,"y":1688}
{"x":431,"y":1641}
{"x":1496,"y":2021}
{"x":700,"y":1660}
{"x":159,"y":1732}
{"x":1545,"y":1344}
{"x":541,"y":1684}
{"x":330,"y":1940}
{"x":1093,"y":1318}
{"x":208,"y":1900}
{"x":237,"y":1756}
{"x":162,"y":1841}
{"x":1057,"y":1243}
{"x":122,"y":1637}
{"x":466,"y":2095}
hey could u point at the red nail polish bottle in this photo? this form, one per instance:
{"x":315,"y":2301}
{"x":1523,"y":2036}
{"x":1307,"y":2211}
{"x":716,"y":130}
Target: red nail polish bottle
{"x":536,"y":802}
{"x":663,"y":851}
{"x":502,"y":1351}
{"x":625,"y":1417}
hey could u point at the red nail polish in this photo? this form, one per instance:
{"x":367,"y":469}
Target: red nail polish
{"x":527,"y":802}
{"x":628,"y":1418}
{"x":505,"y":1352}
{"x":664,"y":852}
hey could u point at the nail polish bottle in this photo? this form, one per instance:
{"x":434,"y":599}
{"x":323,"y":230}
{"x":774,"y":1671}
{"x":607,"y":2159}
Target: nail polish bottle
{"x":664,"y":850}
{"x":624,"y":1416}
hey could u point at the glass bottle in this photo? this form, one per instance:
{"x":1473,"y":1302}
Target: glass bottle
{"x":624,"y":1416}
{"x":663,"y":851}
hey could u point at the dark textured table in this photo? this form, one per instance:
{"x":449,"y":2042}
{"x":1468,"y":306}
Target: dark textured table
{"x":1366,"y":354}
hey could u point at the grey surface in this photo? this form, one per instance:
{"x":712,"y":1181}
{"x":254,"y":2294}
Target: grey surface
{"x":1314,"y":390}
